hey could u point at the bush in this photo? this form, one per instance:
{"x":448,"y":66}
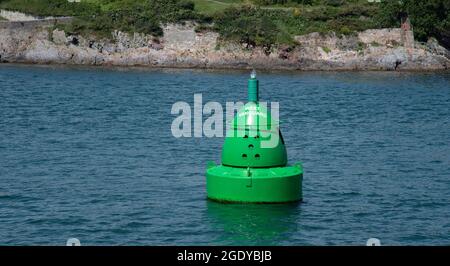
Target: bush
{"x":429,"y":18}
{"x":251,"y":26}
{"x":187,"y":5}
{"x":335,"y":2}
{"x":281,"y":2}
{"x":49,"y":7}
{"x":102,"y":17}
{"x":246,"y":26}
{"x":326,"y":49}
{"x":254,"y":26}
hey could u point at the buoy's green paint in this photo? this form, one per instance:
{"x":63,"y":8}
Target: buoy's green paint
{"x":253,"y":91}
{"x":253,"y":169}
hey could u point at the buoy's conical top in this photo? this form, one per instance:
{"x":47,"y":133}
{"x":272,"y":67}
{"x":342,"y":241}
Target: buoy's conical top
{"x":253,"y":88}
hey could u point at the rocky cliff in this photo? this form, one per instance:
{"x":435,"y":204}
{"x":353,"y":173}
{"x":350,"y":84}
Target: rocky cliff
{"x":36,"y":41}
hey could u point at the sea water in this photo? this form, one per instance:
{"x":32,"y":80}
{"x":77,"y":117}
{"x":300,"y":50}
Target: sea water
{"x":89,"y":153}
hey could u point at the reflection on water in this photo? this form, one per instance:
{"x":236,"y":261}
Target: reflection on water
{"x":260,"y":224}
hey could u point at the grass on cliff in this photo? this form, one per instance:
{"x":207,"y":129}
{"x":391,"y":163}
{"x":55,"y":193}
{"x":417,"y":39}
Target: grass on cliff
{"x":47,"y":7}
{"x":257,"y":22}
{"x":210,"y":7}
{"x":101,"y":17}
{"x":253,"y":22}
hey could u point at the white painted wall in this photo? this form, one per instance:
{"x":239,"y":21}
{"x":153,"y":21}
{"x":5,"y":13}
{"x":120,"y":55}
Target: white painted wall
{"x":17,"y":16}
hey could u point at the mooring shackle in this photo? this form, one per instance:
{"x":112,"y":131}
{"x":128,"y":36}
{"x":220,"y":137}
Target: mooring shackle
{"x":249,"y":175}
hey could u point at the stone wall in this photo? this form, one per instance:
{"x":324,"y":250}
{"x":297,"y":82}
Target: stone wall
{"x":183,"y":37}
{"x":381,"y":36}
{"x":408,"y":38}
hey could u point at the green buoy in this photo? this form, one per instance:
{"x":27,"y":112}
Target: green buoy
{"x":254,"y":165}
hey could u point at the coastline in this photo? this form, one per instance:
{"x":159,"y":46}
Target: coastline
{"x":244,"y":71}
{"x":41,"y":42}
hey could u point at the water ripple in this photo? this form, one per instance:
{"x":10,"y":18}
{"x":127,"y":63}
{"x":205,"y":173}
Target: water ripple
{"x":88,"y":153}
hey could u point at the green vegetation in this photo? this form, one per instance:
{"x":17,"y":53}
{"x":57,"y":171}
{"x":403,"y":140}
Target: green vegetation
{"x":267,"y":25}
{"x":262,"y":23}
{"x":360,"y":47}
{"x":210,"y":7}
{"x":375,"y":44}
{"x":326,"y":49}
{"x":47,"y":8}
{"x":103,"y":16}
{"x":429,"y":18}
{"x":250,"y":26}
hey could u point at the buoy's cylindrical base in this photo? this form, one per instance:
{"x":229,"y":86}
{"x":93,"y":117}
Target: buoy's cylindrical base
{"x":257,"y":185}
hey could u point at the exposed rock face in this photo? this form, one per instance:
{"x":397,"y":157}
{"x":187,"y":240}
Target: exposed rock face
{"x":371,"y":49}
{"x":181,"y":46}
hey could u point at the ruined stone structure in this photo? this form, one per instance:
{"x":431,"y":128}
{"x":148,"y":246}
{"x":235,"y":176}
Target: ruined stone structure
{"x":407,"y":36}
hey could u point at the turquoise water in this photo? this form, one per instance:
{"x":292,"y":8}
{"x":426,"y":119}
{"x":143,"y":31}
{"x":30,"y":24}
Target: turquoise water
{"x":88,"y":153}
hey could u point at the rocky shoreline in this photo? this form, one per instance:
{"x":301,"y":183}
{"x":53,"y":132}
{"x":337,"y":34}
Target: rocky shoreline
{"x":38,"y":42}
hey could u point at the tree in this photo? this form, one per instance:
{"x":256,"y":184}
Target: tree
{"x":429,"y":18}
{"x":247,"y":25}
